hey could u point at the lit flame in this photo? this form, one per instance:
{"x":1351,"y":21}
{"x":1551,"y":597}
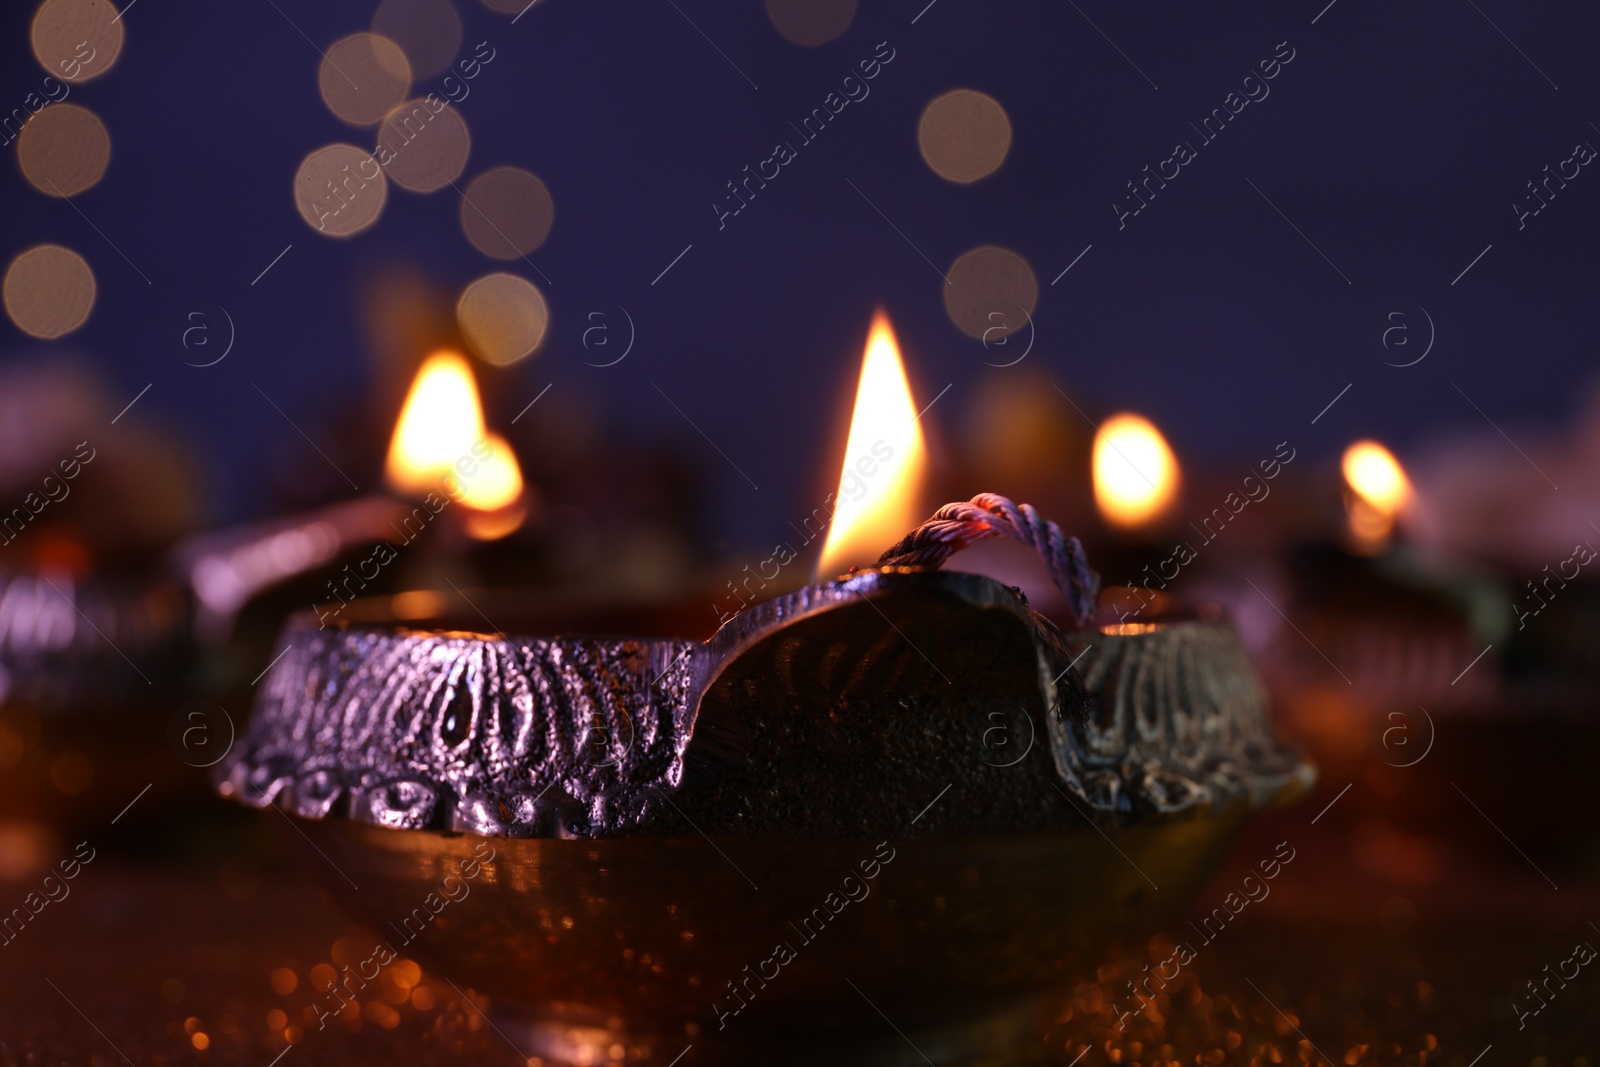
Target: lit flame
{"x":1379,"y":491}
{"x":1135,"y":473}
{"x":494,"y":493}
{"x":440,"y":422}
{"x":497,"y":483}
{"x":441,"y":445}
{"x":879,"y":484}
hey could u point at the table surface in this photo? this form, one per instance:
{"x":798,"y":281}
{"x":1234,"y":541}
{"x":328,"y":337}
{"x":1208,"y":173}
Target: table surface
{"x":1400,"y":933}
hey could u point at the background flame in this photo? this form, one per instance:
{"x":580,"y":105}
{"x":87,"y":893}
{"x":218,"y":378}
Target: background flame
{"x":432,"y":447}
{"x":1379,"y":490}
{"x":880,"y":480}
{"x":1135,"y":473}
{"x":1374,"y":475}
{"x":497,"y":483}
{"x":438,"y":424}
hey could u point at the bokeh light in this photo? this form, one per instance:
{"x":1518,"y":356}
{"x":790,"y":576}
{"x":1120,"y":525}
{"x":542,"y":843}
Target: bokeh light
{"x":423,"y":149}
{"x":991,"y":292}
{"x":362,"y":78}
{"x":503,"y":317}
{"x":64,"y":150}
{"x":340,"y":190}
{"x":428,"y":30}
{"x":284,"y":981}
{"x":811,"y":22}
{"x":77,"y":40}
{"x":506,"y":212}
{"x":964,"y":135}
{"x":49,"y":291}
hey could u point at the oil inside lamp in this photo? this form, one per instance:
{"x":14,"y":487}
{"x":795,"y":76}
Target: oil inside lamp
{"x":441,"y":441}
{"x":880,"y":481}
{"x":1378,"y":491}
{"x":1135,"y":473}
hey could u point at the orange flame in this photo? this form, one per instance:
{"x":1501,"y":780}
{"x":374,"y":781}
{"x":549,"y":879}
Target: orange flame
{"x":1379,"y":491}
{"x":1135,"y":473}
{"x":440,"y":442}
{"x":880,"y":481}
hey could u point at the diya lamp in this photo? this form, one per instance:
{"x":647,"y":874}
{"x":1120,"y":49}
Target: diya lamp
{"x":100,"y":641}
{"x":451,"y":486}
{"x":1380,"y":623}
{"x":76,"y":546}
{"x":92,"y":635}
{"x":1385,"y":665}
{"x":1490,"y":518}
{"x":1501,"y":506}
{"x":649,"y":842}
{"x":87,"y":664}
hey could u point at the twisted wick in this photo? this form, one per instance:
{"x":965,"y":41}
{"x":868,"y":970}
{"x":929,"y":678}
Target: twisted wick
{"x":955,"y":526}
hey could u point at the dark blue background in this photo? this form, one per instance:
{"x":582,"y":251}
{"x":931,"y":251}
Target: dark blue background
{"x":1397,"y":139}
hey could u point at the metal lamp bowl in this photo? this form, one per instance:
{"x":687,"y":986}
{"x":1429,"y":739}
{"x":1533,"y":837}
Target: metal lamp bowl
{"x":874,"y":819}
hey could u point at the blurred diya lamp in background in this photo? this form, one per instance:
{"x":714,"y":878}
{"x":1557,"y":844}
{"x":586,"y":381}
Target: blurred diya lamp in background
{"x":1396,"y":626}
{"x":88,"y":671}
{"x":93,"y":636}
{"x":1377,"y":621}
{"x":452,"y":484}
{"x":1501,"y":506}
{"x":101,"y":642}
{"x":86,"y":619}
{"x":1435,"y":682}
{"x":98,"y":662}
{"x":441,"y":455}
{"x":648,"y":841}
